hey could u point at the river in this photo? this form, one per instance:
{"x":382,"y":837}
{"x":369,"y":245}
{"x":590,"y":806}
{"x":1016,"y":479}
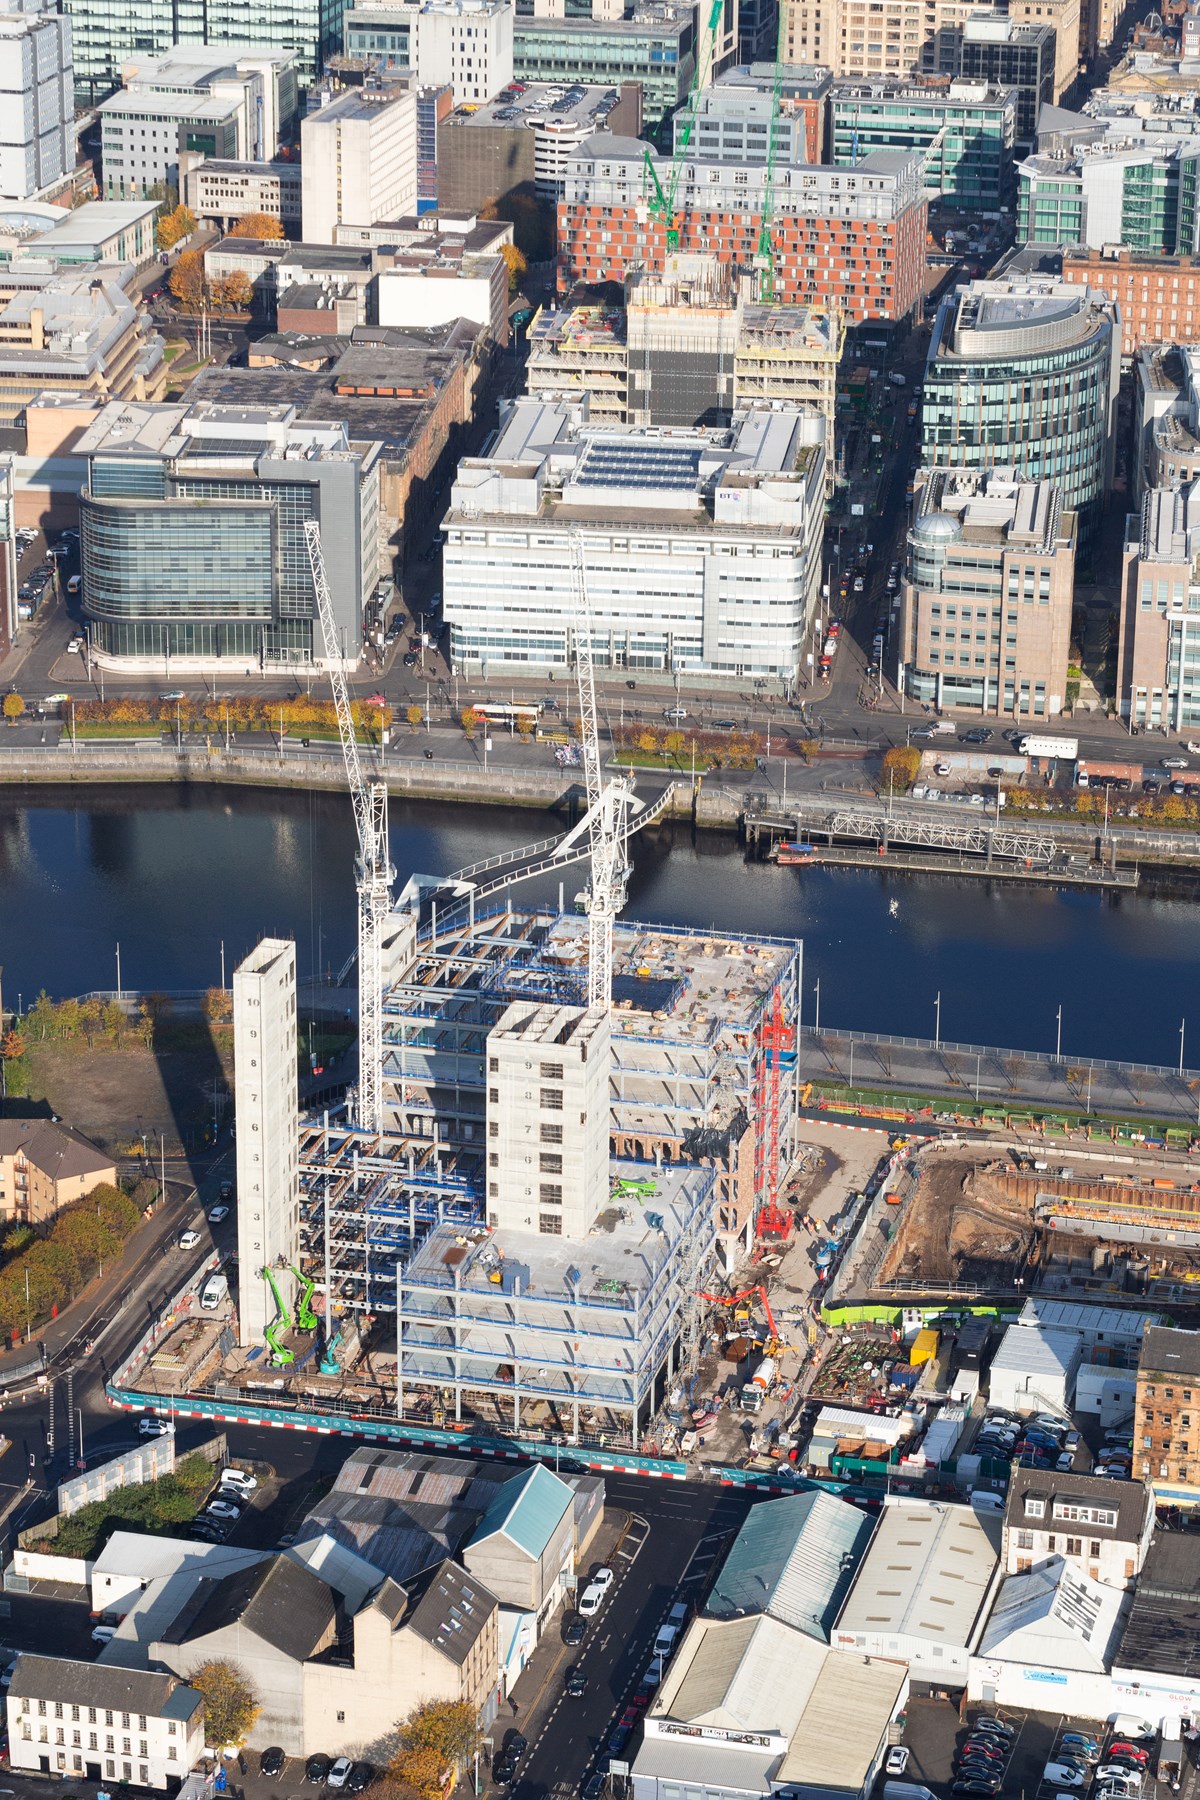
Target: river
{"x":170,"y":874}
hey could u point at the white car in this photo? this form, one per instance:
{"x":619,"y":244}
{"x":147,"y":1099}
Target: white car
{"x":188,"y":1240}
{"x":589,"y":1601}
{"x":1059,"y":1775}
{"x":676,"y":714}
{"x":239,"y":1479}
{"x":104,"y":1634}
{"x":339,"y":1773}
{"x":222,"y":1509}
{"x":75,"y":645}
{"x":217,"y":1213}
{"x":897,"y":1760}
{"x":602,"y":1578}
{"x":154,"y":1427}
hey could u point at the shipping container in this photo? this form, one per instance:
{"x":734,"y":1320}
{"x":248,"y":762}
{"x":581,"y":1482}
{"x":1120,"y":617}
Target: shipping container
{"x":925,"y":1347}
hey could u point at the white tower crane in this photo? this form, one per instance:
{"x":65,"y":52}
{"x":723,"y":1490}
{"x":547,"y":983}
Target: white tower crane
{"x":608,"y":804}
{"x":374,"y":873}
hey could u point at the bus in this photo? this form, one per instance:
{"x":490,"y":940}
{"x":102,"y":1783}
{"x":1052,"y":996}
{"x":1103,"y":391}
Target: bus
{"x":521,"y":716}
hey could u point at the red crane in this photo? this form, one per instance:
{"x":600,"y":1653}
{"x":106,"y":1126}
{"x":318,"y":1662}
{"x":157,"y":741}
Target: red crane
{"x":774,"y":1038}
{"x":746,"y":1294}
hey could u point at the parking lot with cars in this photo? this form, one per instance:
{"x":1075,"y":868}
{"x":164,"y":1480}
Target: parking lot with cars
{"x":1001,"y":1751}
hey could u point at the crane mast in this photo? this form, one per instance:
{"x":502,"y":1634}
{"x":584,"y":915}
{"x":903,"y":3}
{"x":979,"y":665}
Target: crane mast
{"x":607,"y":804}
{"x":374,"y":873}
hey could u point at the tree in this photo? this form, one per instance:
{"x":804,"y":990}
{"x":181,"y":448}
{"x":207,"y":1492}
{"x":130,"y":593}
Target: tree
{"x":218,"y":1006}
{"x":42,"y":1016}
{"x":899,"y":767}
{"x":187,"y":280}
{"x":414,"y":715}
{"x":436,"y":1741}
{"x":90,"y":1014}
{"x":174,"y":226}
{"x":234,"y":292}
{"x":12,"y":1045}
{"x":516,"y":264}
{"x":470,"y":720}
{"x":256,"y":225}
{"x":14,"y":706}
{"x":231,"y":1706}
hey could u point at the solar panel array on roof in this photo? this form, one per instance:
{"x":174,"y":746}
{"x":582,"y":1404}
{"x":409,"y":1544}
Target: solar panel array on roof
{"x":214,"y":446}
{"x":629,"y":463}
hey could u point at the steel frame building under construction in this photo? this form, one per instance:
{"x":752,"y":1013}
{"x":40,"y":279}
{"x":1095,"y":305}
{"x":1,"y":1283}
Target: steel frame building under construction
{"x":398,"y":1219}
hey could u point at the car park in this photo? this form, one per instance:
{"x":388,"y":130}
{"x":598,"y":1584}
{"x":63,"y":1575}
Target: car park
{"x":316,"y":1769}
{"x":339,"y":1773}
{"x":271,"y":1762}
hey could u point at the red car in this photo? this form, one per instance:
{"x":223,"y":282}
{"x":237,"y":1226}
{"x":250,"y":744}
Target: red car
{"x":376,"y":700}
{"x":1133,"y":1751}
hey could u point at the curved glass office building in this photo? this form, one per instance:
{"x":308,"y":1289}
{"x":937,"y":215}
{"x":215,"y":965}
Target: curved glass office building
{"x":1024,"y":372}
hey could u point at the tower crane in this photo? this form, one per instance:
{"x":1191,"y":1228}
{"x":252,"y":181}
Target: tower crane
{"x":764,"y":259}
{"x":661,"y":202}
{"x":608,"y":804}
{"x":374,"y":873}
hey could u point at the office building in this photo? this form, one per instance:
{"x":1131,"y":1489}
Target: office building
{"x":654,"y":46}
{"x":521,"y":141}
{"x":1166,"y":416}
{"x":702,"y":548}
{"x":465,"y":45}
{"x":964,"y":130}
{"x":110,"y":35}
{"x":733,"y":112}
{"x":192,"y":535}
{"x":1158,"y":296}
{"x":267,"y":1108}
{"x":851,"y":238}
{"x":73,"y":332}
{"x":45,"y":1166}
{"x":1020,"y":58}
{"x":1158,"y":652}
{"x":689,"y":347}
{"x":986,"y":600}
{"x":358,"y":159}
{"x":1023,"y":373}
{"x":1166,"y":1428}
{"x":220,"y":191}
{"x":99,"y":231}
{"x":203,"y":99}
{"x":158,"y":1742}
{"x":860,"y":40}
{"x":440,"y":281}
{"x":1135,"y":186}
{"x":9,"y":615}
{"x":1102,"y":1528}
{"x":37,"y":110}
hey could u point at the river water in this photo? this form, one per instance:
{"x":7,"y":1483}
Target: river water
{"x":171,"y":873}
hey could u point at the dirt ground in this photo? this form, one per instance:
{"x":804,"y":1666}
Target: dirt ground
{"x":113,"y":1096}
{"x":959,"y":1227}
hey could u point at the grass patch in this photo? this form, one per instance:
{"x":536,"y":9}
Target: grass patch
{"x":158,"y":1508}
{"x":106,"y":728}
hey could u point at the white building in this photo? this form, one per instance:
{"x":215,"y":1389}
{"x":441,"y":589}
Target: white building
{"x":701,"y":547}
{"x":1100,"y":1526}
{"x":464,"y":44}
{"x":264,"y":84}
{"x":88,"y":1721}
{"x":547,"y":1112}
{"x":1112,"y":1332}
{"x":264,"y":1036}
{"x":1050,"y":1642}
{"x":37,"y":100}
{"x":924,"y":1589}
{"x":1034,"y":1369}
{"x":358,"y":160}
{"x":426,"y":288}
{"x":223,"y":190}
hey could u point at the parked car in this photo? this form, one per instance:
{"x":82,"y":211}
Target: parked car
{"x":217,"y":1213}
{"x":973,"y":1789}
{"x":103,"y":1634}
{"x":1117,"y":1770}
{"x":271,"y":1762}
{"x":339,"y":1774}
{"x":988,"y":1722}
{"x":1136,"y":1751}
{"x":593,"y":1787}
{"x":155,"y":1427}
{"x":239,"y":1479}
{"x":573,"y":1630}
{"x":590,"y":1601}
{"x":222,"y":1509}
{"x":897,"y":1760}
{"x":601,"y":1577}
{"x":360,"y":1778}
{"x":316,"y":1769}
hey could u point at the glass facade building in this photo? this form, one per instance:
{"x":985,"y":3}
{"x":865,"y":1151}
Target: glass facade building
{"x":996,"y":51}
{"x":108,"y":33}
{"x":1025,"y":372}
{"x":1144,"y":199}
{"x":658,"y":52}
{"x":197,"y":551}
{"x":967,"y":135}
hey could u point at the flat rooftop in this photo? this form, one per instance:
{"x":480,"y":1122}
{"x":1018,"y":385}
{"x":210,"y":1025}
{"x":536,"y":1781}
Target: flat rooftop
{"x":1162,"y":1632}
{"x":543,"y":103}
{"x":926,"y":1575}
{"x":625,"y":1251}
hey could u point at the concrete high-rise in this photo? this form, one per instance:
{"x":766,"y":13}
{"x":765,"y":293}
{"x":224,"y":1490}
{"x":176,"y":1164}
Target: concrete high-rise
{"x":358,"y":163}
{"x":547,"y":1119}
{"x":266,"y":1098}
{"x":37,"y":100}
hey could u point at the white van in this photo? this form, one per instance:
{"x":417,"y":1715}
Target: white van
{"x":74,"y":584}
{"x":1129,"y":1726}
{"x":215,"y":1289}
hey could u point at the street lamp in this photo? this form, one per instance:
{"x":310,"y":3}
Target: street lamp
{"x":1182,"y":1029}
{"x":817,"y":1018}
{"x":937,"y":1020}
{"x":1058,"y":1036}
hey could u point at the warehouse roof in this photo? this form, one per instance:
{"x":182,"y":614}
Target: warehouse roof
{"x":278,"y":1600}
{"x":926,"y":1574}
{"x":1038,"y":1350}
{"x":795,"y":1559}
{"x":1055,"y":1615}
{"x":1105,"y":1324}
{"x":852,"y":1703}
{"x":751,"y":1674}
{"x":527,"y":1510}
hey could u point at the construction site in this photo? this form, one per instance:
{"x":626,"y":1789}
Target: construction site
{"x":566,"y":1133}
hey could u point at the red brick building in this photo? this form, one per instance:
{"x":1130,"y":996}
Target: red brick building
{"x":1159,"y":296}
{"x":854,"y":237}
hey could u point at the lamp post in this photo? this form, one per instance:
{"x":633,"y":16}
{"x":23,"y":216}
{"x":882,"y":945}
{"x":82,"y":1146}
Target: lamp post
{"x":1058,"y":1036}
{"x":1182,"y":1029}
{"x":817,"y":1017}
{"x":937,"y":1020}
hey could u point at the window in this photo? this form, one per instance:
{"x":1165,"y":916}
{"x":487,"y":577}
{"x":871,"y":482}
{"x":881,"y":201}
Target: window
{"x":493,"y":1065}
{"x":550,"y":1224}
{"x":1075,"y":1546}
{"x":551,"y":1134}
{"x":549,"y":1163}
{"x":551,"y":1071}
{"x":550,"y":1193}
{"x":552,"y":1099}
{"x":1024,"y":1540}
{"x":1034,"y":1509}
{"x":494,"y":1129}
